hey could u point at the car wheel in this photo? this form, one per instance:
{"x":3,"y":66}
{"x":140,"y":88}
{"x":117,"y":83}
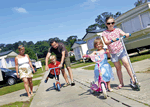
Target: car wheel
{"x":11,"y":81}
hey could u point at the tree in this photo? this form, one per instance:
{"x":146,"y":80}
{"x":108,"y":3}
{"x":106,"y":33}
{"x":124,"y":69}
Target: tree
{"x":30,"y":53}
{"x":139,"y":2}
{"x":70,"y":41}
{"x":92,"y":27}
{"x":41,"y":48}
{"x":100,"y":20}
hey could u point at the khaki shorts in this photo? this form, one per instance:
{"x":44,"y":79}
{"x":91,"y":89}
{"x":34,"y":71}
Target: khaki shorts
{"x":66,"y":62}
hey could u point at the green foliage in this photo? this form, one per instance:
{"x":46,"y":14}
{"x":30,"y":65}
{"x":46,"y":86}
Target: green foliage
{"x":40,"y":47}
{"x":30,"y":53}
{"x":100,"y":20}
{"x":72,"y":58}
{"x":140,"y":2}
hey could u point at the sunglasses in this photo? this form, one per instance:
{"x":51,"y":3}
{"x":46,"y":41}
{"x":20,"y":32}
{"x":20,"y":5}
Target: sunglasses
{"x":111,"y":23}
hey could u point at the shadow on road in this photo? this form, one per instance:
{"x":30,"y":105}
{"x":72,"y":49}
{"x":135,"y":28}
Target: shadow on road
{"x":25,"y":94}
{"x":52,"y":88}
{"x":99,"y":95}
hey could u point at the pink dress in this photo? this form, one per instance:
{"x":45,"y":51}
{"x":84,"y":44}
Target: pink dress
{"x":114,"y":47}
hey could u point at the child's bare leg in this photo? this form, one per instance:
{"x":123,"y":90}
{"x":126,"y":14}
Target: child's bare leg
{"x":119,"y":73}
{"x":108,"y":85}
{"x":127,"y":66}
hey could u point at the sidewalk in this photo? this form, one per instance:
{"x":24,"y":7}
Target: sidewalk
{"x":143,"y":96}
{"x":20,"y":95}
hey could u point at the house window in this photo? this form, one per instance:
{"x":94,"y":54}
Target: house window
{"x":145,"y":19}
{"x":1,"y":63}
{"x":128,"y":27}
{"x":136,"y":25}
{"x":132,"y":25}
{"x":90,"y":43}
{"x":10,"y":62}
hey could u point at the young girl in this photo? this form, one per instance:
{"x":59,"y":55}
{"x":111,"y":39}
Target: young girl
{"x":116,"y":49}
{"x":105,"y":68}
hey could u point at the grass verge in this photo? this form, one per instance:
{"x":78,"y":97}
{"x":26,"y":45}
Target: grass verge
{"x":147,"y":71}
{"x":19,"y":104}
{"x":16,"y":87}
{"x":36,"y":76}
{"x":81,"y":65}
{"x":39,"y":71}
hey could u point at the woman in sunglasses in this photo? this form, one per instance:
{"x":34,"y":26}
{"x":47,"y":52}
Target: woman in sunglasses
{"x":116,"y":49}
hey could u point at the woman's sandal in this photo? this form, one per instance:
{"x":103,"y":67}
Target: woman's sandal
{"x":32,"y":94}
{"x":67,"y":84}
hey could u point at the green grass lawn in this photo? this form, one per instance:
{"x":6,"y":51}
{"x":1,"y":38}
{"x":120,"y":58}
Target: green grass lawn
{"x":81,"y":65}
{"x":134,"y":58}
{"x":18,"y":104}
{"x":36,"y":76}
{"x":39,"y":71}
{"x":16,"y":87}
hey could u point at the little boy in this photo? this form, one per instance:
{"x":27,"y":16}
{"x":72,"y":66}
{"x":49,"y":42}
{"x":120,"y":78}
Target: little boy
{"x":53,"y":64}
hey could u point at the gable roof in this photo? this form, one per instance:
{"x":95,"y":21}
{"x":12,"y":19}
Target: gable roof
{"x":5,"y":53}
{"x":77,"y":43}
{"x":80,"y":42}
{"x":93,"y":31}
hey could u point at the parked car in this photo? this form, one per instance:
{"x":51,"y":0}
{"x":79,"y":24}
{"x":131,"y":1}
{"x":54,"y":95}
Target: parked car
{"x":34,"y":68}
{"x":9,"y":76}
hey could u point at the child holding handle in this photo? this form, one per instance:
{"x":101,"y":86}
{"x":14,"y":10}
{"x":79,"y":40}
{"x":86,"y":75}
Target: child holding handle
{"x":116,"y":49}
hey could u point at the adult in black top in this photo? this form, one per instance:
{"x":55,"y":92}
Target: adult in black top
{"x":62,"y":56}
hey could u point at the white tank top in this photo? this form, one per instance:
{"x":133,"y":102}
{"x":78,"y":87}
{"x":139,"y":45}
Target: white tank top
{"x":23,"y":62}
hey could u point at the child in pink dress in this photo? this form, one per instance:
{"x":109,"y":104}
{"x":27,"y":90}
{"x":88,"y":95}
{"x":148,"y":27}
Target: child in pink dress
{"x":116,"y":49}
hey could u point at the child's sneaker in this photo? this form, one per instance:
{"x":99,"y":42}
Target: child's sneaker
{"x":110,"y":90}
{"x":46,"y":80}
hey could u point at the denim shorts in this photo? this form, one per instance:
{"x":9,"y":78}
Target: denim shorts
{"x":53,"y":76}
{"x":116,"y":57}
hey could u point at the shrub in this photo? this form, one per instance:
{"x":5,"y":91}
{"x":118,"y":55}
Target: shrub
{"x":72,"y":58}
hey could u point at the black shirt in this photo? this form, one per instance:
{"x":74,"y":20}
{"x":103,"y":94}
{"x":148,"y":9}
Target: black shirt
{"x":58,"y":51}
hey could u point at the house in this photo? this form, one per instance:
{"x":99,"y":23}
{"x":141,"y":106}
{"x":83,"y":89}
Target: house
{"x":80,"y":48}
{"x":7,"y":59}
{"x":136,"y":22}
{"x":90,"y":37}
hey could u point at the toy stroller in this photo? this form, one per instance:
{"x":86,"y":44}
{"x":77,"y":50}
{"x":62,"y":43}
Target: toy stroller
{"x":135,"y":86}
{"x":102,"y":86}
{"x":56,"y":85}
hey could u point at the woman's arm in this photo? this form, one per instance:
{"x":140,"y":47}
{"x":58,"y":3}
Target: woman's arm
{"x":16,"y":66}
{"x":30,"y":63}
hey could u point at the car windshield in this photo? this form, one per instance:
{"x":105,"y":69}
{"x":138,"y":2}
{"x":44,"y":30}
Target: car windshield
{"x":5,"y":70}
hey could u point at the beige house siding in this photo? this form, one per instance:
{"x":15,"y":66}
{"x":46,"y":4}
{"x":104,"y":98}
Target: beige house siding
{"x":138,"y":19}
